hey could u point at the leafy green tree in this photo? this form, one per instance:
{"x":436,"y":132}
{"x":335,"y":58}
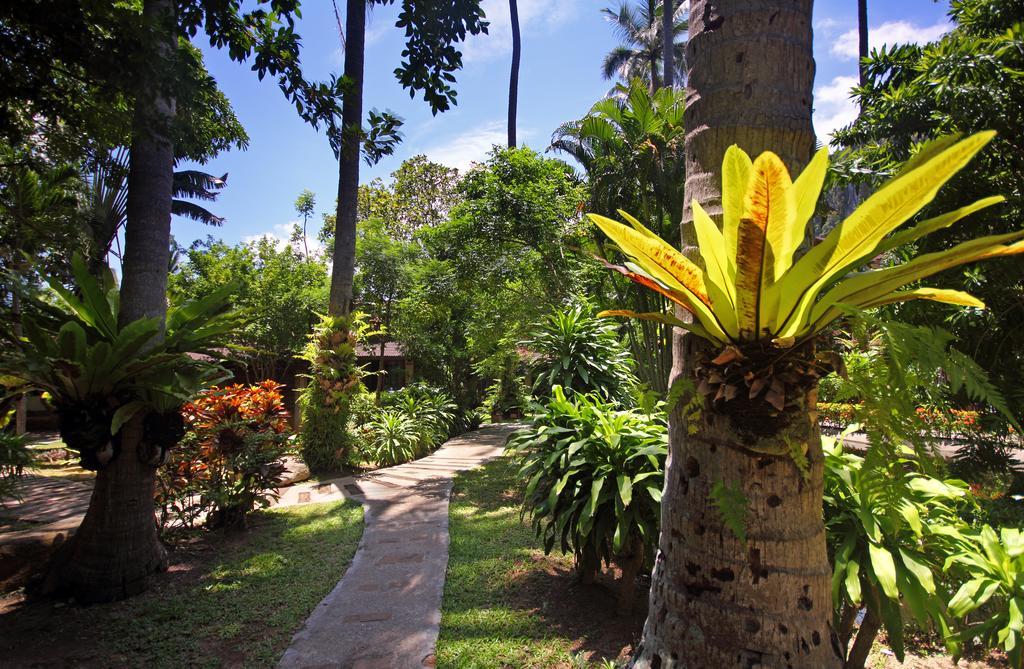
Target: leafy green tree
{"x":130,"y":61}
{"x":643,"y":46}
{"x":420,"y":194}
{"x":382,"y":269}
{"x":968,"y":80}
{"x":280,"y":291}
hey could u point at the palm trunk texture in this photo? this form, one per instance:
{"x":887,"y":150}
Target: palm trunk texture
{"x":513,"y":80}
{"x":668,"y":42}
{"x":348,"y":164}
{"x":117,"y":547}
{"x":716,"y":601}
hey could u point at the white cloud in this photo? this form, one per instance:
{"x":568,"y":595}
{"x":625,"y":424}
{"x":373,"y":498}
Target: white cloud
{"x":889,"y":33}
{"x":535,"y":16}
{"x":471,"y":146}
{"x":826,"y":24}
{"x":833,"y":107}
{"x":281,"y":235}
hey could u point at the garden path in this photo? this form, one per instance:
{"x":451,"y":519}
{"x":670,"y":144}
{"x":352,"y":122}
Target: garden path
{"x":386,"y":610}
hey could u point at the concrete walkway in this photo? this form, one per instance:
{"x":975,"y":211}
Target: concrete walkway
{"x":386,"y":610}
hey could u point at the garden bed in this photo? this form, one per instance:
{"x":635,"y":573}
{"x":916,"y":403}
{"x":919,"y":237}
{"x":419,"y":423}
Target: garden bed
{"x":506,"y":604}
{"x":226,"y":600}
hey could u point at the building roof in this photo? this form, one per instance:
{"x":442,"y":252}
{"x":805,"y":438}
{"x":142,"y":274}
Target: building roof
{"x":391,"y":350}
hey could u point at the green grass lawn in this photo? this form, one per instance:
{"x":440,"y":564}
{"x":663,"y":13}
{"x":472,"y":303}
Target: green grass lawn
{"x":226,"y":601}
{"x":505,"y":603}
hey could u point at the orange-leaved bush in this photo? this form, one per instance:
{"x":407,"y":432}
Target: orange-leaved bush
{"x":229,"y":462}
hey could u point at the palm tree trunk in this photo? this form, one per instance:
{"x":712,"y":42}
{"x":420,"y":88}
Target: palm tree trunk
{"x":343,"y":270}
{"x":862,"y":36}
{"x":652,"y":54}
{"x":513,"y":80}
{"x":716,"y":600}
{"x":668,"y":42}
{"x":116,"y":548}
{"x":862,"y":41}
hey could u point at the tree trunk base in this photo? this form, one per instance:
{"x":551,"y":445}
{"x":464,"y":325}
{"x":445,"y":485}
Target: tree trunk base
{"x":117,"y":547}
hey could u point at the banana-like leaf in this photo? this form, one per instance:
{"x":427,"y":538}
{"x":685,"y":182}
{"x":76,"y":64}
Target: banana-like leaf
{"x":944,"y":295}
{"x":750,"y":287}
{"x":857,"y":237}
{"x":720,"y":270}
{"x":658,"y":317}
{"x":736,"y":169}
{"x":866,"y":287}
{"x":936,"y":223}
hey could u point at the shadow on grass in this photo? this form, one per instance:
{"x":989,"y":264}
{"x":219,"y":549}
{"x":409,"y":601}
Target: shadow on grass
{"x":225,"y":601}
{"x":506,"y":603}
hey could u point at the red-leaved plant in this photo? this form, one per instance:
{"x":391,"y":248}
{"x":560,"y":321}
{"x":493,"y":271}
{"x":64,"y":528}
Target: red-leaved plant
{"x":229,"y":462}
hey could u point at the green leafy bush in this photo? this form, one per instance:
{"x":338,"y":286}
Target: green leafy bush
{"x":890,"y":527}
{"x":14,"y":457}
{"x":994,"y":589}
{"x":392,"y":438}
{"x":582,"y":353}
{"x":593,"y":475}
{"x":409,"y":423}
{"x":230,"y":460}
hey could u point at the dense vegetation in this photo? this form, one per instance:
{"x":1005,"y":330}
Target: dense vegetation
{"x":528,"y":287}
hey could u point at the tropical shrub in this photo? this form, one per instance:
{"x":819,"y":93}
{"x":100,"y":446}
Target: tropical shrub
{"x":951,"y":422}
{"x":100,"y":374}
{"x":507,"y":396}
{"x":888,"y":544}
{"x":14,"y":457}
{"x":230,"y":461}
{"x":593,"y":475}
{"x":580,"y":353}
{"x":325,"y":439}
{"x":409,"y":423}
{"x":994,"y":590}
{"x":392,"y":438}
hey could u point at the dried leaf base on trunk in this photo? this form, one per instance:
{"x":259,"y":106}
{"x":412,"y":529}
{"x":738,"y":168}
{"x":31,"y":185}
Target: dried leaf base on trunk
{"x":717,"y":601}
{"x":116,"y":548}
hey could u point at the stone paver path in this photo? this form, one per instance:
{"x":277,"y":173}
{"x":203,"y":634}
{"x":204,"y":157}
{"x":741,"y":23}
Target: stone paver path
{"x":43,"y":499}
{"x":386,"y":611}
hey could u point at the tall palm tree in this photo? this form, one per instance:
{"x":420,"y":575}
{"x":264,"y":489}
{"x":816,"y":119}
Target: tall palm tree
{"x":631,"y":146}
{"x":641,"y":52}
{"x":107,"y":192}
{"x":116,"y":547}
{"x":344,"y":256}
{"x":717,"y":601}
{"x":862,"y":39}
{"x":513,"y":80}
{"x":668,"y":42}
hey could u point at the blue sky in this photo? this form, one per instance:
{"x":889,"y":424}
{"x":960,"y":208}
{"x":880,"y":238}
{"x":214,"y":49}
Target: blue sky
{"x":563,"y":45}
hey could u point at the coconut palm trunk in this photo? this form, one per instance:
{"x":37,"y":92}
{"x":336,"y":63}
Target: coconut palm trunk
{"x":652,"y":56}
{"x":862,"y":39}
{"x":668,"y":38}
{"x":513,"y":81}
{"x":719,"y":599}
{"x":116,"y":547}
{"x":343,"y":270}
